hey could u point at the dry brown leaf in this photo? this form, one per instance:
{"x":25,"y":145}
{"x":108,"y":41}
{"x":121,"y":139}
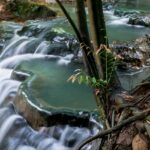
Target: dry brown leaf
{"x":128,"y":98}
{"x":139,"y":143}
{"x":126,"y":135}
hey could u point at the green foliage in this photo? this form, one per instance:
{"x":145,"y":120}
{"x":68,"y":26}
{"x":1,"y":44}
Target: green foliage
{"x":81,"y":77}
{"x":109,"y":64}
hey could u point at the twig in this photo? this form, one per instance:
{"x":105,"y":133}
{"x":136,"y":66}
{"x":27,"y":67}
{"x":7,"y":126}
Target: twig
{"x":70,"y":20}
{"x":115,"y":128}
{"x":144,"y":98}
{"x":139,"y":86}
{"x":113,"y":118}
{"x":144,"y":83}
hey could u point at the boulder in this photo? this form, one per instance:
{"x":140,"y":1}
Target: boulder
{"x":139,"y":20}
{"x":43,"y":100}
{"x":29,"y":10}
{"x":121,"y":13}
{"x":52,"y":40}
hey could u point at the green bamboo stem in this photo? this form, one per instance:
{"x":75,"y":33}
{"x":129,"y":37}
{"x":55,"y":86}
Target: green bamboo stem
{"x":84,"y":33}
{"x":97,"y":30}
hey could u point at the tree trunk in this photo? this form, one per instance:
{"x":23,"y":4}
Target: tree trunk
{"x":86,"y":44}
{"x":98,"y":30}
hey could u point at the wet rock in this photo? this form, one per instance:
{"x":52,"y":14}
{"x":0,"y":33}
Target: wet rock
{"x":19,"y":76}
{"x":107,"y":6}
{"x":38,"y":117}
{"x":58,"y":49}
{"x":78,"y":57}
{"x":129,"y":57}
{"x":1,"y":46}
{"x":54,"y":41}
{"x":7,"y":30}
{"x":29,"y":10}
{"x":148,"y":62}
{"x":42,"y":109}
{"x":30,"y":30}
{"x":123,"y":13}
{"x":139,"y":20}
{"x":133,"y":55}
{"x":133,"y":61}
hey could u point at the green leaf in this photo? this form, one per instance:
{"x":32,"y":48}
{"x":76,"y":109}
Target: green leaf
{"x":94,"y":80}
{"x":81,"y":79}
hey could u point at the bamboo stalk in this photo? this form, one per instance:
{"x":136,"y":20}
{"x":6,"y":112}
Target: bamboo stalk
{"x":98,"y":32}
{"x":87,"y":48}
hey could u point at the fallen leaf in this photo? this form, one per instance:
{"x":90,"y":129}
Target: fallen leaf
{"x":139,"y":142}
{"x":126,"y":135}
{"x":128,"y":98}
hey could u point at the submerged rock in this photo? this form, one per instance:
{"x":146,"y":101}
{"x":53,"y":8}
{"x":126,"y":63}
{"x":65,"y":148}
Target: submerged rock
{"x":46,"y":95}
{"x":125,"y":13}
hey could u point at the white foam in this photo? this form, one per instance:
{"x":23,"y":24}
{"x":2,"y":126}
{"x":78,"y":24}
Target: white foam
{"x":135,"y":26}
{"x":119,"y":21}
{"x":9,"y":48}
{"x":5,"y":73}
{"x":6,"y":126}
{"x":11,"y":62}
{"x":65,"y":60}
{"x":7,"y":87}
{"x":108,"y":12}
{"x":24,"y":147}
{"x":21,"y":47}
{"x":42,"y":48}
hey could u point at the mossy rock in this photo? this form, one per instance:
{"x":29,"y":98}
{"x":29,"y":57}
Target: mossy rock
{"x":29,"y":10}
{"x":45,"y":94}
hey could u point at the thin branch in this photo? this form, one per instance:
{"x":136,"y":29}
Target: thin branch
{"x":70,"y":20}
{"x":144,"y":98}
{"x":119,"y":126}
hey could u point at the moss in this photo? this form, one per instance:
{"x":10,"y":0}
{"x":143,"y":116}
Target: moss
{"x":26,"y":9}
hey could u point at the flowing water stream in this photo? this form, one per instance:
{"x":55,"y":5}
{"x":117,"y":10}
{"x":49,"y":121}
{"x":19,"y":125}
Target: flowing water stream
{"x":34,"y":54}
{"x":46,"y":48}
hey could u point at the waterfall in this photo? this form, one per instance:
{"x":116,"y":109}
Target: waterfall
{"x":16,"y":133}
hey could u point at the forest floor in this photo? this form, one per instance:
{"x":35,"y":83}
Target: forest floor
{"x":4,"y":14}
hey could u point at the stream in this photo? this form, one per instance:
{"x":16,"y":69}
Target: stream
{"x":36,"y":60}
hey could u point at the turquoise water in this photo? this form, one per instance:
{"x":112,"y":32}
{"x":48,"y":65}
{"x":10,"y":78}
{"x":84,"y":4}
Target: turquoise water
{"x":51,"y":78}
{"x":49,"y":85}
{"x":125,"y":33}
{"x":117,"y":27}
{"x":142,"y":5}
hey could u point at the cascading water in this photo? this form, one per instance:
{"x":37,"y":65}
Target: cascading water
{"x":39,"y":39}
{"x":16,"y":134}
